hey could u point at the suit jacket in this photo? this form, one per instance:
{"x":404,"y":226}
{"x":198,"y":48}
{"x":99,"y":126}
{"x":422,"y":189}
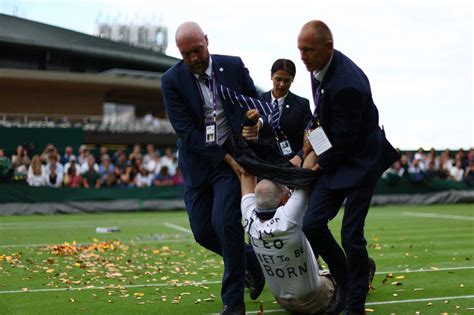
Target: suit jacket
{"x":293,"y":119}
{"x":185,"y":111}
{"x":360,"y":152}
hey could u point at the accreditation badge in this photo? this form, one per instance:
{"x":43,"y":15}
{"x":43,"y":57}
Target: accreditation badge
{"x":319,"y":141}
{"x":285,"y":147}
{"x":211,"y":134}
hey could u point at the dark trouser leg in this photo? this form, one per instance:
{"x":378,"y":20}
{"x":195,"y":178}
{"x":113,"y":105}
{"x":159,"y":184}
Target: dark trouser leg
{"x":226,"y":221}
{"x":323,"y":206}
{"x":354,"y":244}
{"x":199,"y":206}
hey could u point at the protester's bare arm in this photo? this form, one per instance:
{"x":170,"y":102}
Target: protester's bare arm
{"x":247,"y":183}
{"x":236,"y":167}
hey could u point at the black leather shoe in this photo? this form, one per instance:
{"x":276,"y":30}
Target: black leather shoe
{"x":233,"y":310}
{"x":349,"y":312}
{"x":255,"y":281}
{"x":338,"y":301}
{"x":372,"y":268}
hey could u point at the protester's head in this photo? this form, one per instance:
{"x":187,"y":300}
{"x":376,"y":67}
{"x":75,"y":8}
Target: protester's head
{"x":192,"y":44}
{"x":315,"y":44}
{"x":282,"y":74}
{"x":269,"y":196}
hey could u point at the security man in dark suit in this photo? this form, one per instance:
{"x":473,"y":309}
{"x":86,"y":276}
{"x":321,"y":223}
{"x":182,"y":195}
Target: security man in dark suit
{"x":203,"y":121}
{"x":292,"y":112}
{"x":352,"y":154}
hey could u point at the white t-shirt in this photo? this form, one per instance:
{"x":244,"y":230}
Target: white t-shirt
{"x":284,"y":253}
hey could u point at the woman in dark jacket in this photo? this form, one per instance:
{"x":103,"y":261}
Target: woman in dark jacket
{"x":291,"y":113}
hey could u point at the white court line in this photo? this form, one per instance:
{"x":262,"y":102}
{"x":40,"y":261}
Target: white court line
{"x":177,"y":227}
{"x":186,"y":284}
{"x":422,"y":300}
{"x":111,"y":287}
{"x":424,"y":270}
{"x":437,"y":216}
{"x":83,"y":226}
{"x":179,"y":240}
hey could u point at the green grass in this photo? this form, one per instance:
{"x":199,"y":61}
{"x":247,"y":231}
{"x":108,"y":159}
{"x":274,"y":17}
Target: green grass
{"x":156,"y":264}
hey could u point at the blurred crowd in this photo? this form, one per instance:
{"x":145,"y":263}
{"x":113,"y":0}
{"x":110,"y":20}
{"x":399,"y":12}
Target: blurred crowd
{"x":144,"y":167}
{"x":422,"y":166}
{"x":138,"y":168}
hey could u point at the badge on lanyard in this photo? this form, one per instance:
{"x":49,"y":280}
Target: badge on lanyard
{"x":285,"y":147}
{"x":319,"y":141}
{"x":211,"y":133}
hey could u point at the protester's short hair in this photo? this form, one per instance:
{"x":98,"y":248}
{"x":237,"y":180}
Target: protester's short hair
{"x":284,"y":64}
{"x":268,"y":195}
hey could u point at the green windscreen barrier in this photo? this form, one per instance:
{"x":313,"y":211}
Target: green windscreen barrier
{"x":37,"y":138}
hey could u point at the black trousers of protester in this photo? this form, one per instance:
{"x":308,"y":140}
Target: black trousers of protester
{"x":349,"y":267}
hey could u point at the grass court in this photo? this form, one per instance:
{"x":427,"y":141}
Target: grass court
{"x":58,"y":264}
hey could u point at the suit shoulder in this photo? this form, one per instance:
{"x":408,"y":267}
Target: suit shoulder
{"x":171,"y":72}
{"x":299,"y":99}
{"x":264,"y":95}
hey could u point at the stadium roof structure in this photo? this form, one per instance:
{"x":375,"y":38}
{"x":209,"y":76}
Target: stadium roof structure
{"x":19,"y":32}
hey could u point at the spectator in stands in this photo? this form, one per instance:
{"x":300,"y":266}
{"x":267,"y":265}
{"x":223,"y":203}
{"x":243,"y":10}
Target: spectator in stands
{"x":36,"y":173}
{"x":432,"y":157}
{"x":394,"y":173}
{"x":136,"y":152}
{"x":20,"y":161}
{"x":163,"y":178}
{"x":469,"y":174}
{"x":106,"y":167}
{"x":457,"y":172}
{"x":49,"y":149}
{"x":6,"y":167}
{"x":151,"y":153}
{"x":143,"y":178}
{"x":72,"y":162}
{"x":110,"y":180}
{"x":169,"y":160}
{"x":91,"y":177}
{"x":470,"y":155}
{"x":416,"y":173}
{"x":446,"y":160}
{"x":103,"y":151}
{"x":178,"y":177}
{"x":83,"y":153}
{"x":462,"y":156}
{"x":404,"y":163}
{"x":85,"y":165}
{"x":54,"y":179}
{"x":72,"y":179}
{"x":54,"y":163}
{"x":128,"y":178}
{"x":421,"y":157}
{"x":431,"y":172}
{"x":152,"y":163}
{"x":68,"y":155}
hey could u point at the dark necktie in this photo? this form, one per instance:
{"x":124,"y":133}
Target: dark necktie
{"x":315,"y":86}
{"x":204,"y":78}
{"x":275,"y":115}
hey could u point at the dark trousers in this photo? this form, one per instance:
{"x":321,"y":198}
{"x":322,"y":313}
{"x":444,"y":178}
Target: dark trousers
{"x":215,"y":219}
{"x":350,"y":267}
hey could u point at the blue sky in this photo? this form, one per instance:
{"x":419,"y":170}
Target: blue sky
{"x":417,"y":54}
